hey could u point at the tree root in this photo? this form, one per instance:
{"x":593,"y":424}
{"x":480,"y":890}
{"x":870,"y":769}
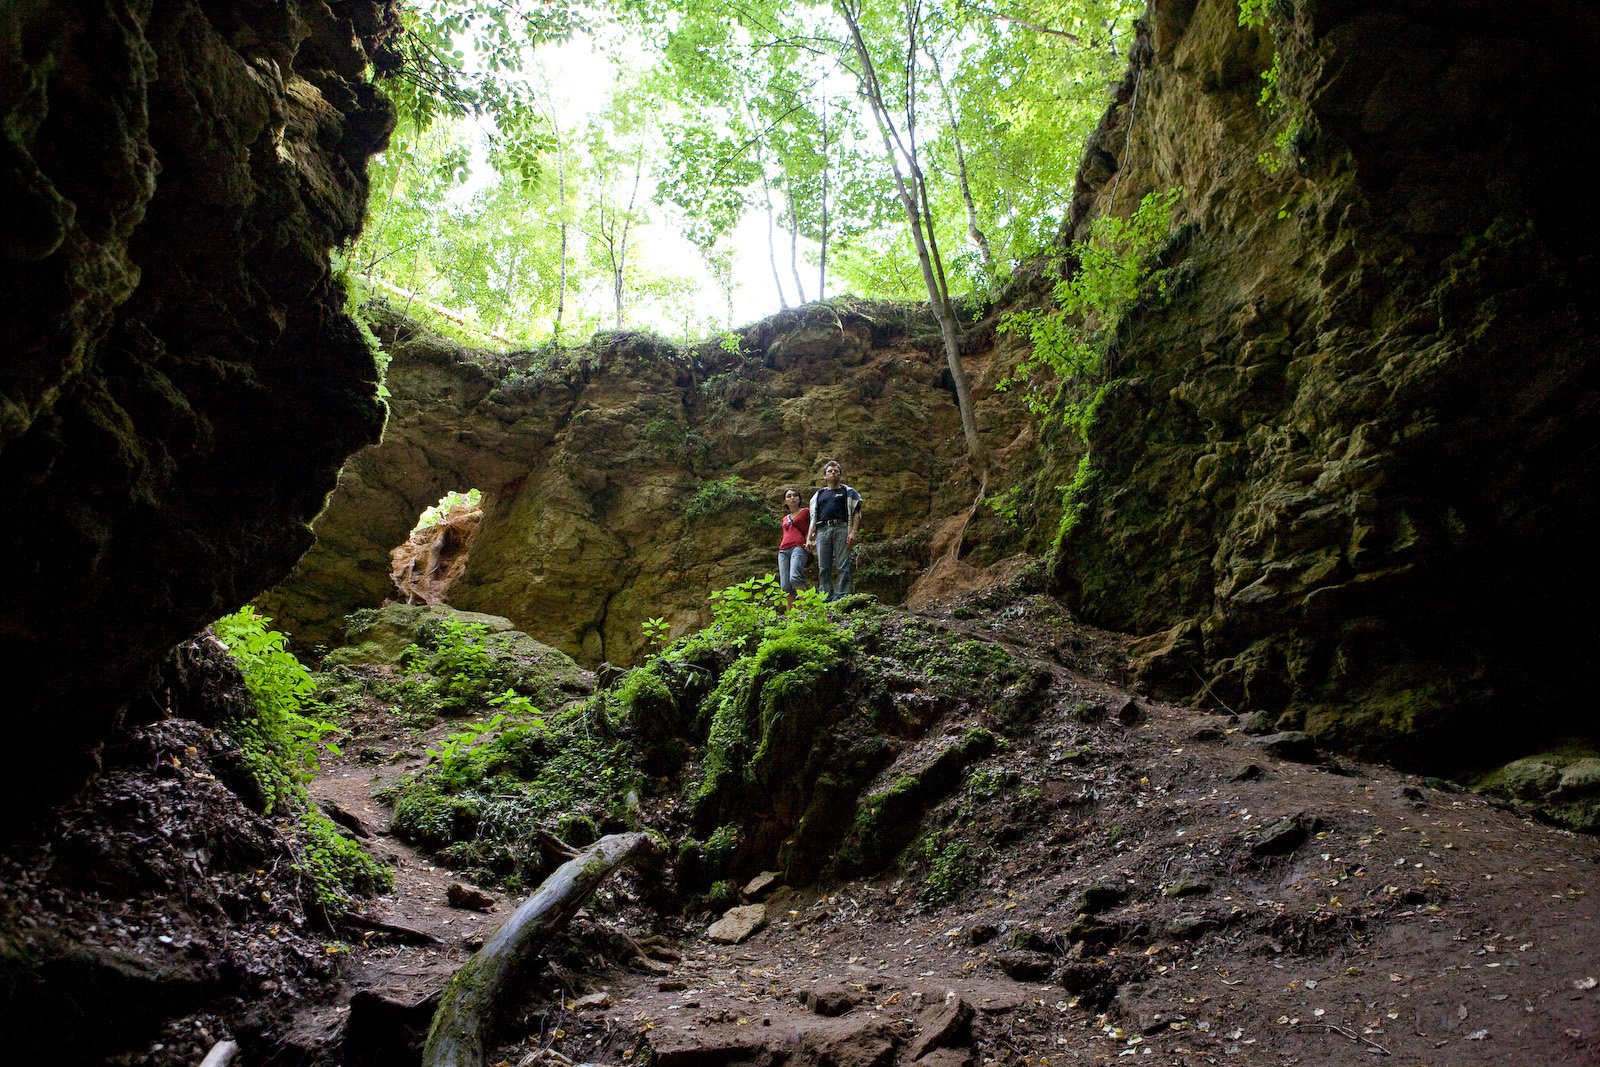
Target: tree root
{"x":456,"y":1038}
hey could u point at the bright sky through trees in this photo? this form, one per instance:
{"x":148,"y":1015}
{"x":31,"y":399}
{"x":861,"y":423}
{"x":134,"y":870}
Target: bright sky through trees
{"x":682,"y":167}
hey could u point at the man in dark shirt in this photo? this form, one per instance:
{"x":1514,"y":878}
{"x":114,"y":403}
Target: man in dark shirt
{"x":835,"y":518}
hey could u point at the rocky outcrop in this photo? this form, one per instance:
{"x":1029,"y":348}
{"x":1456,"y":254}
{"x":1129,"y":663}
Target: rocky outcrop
{"x":1347,"y":477}
{"x":628,"y":479}
{"x":180,"y":382}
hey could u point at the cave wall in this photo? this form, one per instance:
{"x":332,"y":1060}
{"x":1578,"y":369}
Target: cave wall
{"x":587,"y":465}
{"x":1361,"y":432}
{"x":180,"y":382}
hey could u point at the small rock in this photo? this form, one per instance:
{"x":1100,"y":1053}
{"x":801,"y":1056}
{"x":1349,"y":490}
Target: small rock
{"x":1259,"y":723}
{"x":464,"y":896}
{"x":1094,"y":981}
{"x":1129,"y":713}
{"x":1291,"y":745}
{"x":738,"y":924}
{"x":759,"y":887}
{"x":829,"y":1000}
{"x":1185,"y":888}
{"x":1286,"y":835}
{"x":650,"y":966}
{"x":1098,"y":897}
{"x":671,"y":985}
{"x":981,"y":933}
{"x":1208,"y":735}
{"x":382,"y":1021}
{"x":942,"y":1026}
{"x":1188,"y":927}
{"x":1247,"y":773}
{"x":607,"y":675}
{"x":1025,"y":966}
{"x":869,"y":1043}
{"x":947,"y":1057}
{"x":593,"y":1001}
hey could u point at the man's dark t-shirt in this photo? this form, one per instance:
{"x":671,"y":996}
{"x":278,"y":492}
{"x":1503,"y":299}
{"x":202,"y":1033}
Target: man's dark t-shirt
{"x":830,"y":505}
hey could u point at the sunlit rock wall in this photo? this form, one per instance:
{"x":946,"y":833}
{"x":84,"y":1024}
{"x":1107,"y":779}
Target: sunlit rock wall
{"x":589,"y":467}
{"x":1349,"y":477}
{"x":179,"y":384}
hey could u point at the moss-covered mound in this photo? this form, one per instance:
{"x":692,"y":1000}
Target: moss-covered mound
{"x":492,"y":792}
{"x":814,"y":740}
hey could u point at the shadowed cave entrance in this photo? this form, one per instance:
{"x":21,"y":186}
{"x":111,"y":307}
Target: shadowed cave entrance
{"x":435,"y":554}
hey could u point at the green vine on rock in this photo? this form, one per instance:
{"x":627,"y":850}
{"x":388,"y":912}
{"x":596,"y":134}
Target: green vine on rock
{"x":1115,"y":264}
{"x":1258,"y":14}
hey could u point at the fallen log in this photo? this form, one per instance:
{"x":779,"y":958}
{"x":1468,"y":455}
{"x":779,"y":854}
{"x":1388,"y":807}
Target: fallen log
{"x":221,"y":1054}
{"x":472,"y":994}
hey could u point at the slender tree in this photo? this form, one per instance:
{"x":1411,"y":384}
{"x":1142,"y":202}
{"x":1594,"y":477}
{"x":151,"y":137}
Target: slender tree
{"x":901,"y":154}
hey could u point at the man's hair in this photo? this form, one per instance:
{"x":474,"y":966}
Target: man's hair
{"x":833,"y":463}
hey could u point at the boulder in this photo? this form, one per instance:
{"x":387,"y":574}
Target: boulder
{"x":738,"y":924}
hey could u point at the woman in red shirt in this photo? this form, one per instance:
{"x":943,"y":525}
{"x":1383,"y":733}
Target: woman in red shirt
{"x":792,"y":554}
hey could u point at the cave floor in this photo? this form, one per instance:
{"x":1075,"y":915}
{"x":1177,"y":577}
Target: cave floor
{"x":1169,"y":890}
{"x":1159,"y":887}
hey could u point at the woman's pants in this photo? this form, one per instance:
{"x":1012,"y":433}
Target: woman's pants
{"x":792,"y":568}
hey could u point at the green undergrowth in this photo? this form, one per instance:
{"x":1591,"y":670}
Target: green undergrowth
{"x":279,"y":745}
{"x":453,"y":669}
{"x":488,"y":790}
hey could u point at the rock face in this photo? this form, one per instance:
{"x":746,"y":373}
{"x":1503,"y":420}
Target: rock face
{"x":1347,"y":478}
{"x":629,"y":479}
{"x":180,"y":383}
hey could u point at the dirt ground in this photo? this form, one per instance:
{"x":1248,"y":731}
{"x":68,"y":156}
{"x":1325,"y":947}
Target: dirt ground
{"x":1163,"y":886}
{"x":1154,"y":884}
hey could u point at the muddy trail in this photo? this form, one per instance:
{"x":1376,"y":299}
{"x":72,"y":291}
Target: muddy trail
{"x":1115,"y":877}
{"x":1140,"y":880}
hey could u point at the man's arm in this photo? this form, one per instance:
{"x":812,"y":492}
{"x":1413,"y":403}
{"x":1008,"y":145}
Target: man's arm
{"x":811,"y":526}
{"x":855,"y":518}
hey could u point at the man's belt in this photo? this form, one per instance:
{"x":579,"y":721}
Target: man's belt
{"x":833,"y":522}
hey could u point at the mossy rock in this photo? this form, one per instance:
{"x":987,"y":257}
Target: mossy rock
{"x":1562,"y":786}
{"x":382,"y":636}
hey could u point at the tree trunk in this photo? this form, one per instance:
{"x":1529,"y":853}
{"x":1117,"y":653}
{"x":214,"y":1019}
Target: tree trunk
{"x":794,"y":243}
{"x":911,"y":195}
{"x":561,"y":289}
{"x":456,"y":1038}
{"x":822,"y":258}
{"x":772,"y":240}
{"x":980,"y":240}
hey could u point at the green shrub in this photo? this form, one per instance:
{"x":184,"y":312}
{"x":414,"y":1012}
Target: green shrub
{"x":488,"y":788}
{"x":450,"y":669}
{"x":952,"y":867}
{"x":726,"y":494}
{"x":433,"y":516}
{"x":336,"y":866}
{"x":280,"y":746}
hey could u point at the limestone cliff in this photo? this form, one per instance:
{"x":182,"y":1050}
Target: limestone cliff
{"x":180,"y":383}
{"x":1348,"y":476}
{"x":629,"y":479}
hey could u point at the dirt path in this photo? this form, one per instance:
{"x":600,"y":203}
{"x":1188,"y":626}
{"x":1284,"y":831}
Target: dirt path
{"x":415,"y":938}
{"x":1166,"y":888}
{"x":1418,"y":925}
